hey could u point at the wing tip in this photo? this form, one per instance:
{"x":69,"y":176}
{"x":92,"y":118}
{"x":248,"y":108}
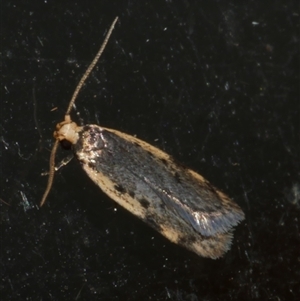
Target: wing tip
{"x":213,"y":247}
{"x":210,"y":224}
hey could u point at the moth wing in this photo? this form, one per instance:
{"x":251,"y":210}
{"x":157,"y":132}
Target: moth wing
{"x":183,"y":191}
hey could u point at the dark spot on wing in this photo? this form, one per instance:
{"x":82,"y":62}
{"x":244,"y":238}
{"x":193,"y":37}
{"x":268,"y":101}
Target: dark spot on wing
{"x":164,"y":161}
{"x":131,"y":193}
{"x":144,"y":203}
{"x":120,"y":188}
{"x":177,"y":177}
{"x":187,"y":240}
{"x":91,"y":165}
{"x":150,"y":220}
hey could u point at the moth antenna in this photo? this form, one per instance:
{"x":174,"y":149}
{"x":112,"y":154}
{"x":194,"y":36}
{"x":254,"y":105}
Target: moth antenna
{"x":51,"y":172}
{"x":91,"y":66}
{"x":67,"y":117}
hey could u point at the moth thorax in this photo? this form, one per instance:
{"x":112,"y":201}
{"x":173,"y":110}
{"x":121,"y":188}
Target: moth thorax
{"x":68,"y":131}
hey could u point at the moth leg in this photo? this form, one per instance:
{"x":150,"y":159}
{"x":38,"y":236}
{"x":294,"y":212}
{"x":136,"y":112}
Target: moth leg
{"x":62,"y":163}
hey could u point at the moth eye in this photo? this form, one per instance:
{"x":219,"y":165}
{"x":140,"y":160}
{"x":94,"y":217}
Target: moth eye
{"x":65,"y":144}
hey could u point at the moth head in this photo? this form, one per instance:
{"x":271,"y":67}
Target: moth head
{"x":67,"y":130}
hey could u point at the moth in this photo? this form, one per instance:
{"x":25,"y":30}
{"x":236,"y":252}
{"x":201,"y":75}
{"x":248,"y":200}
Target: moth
{"x":171,"y":198}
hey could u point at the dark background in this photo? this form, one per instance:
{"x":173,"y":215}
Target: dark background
{"x":214,"y":83}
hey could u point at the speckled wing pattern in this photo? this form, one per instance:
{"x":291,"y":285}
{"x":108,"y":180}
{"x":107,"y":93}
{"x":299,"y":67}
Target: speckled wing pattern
{"x":174,"y":200}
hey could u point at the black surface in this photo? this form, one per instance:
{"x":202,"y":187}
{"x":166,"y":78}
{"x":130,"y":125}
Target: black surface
{"x":214,"y":83}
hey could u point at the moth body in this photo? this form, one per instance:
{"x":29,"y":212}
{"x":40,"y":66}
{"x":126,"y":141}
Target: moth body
{"x":172,"y":199}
